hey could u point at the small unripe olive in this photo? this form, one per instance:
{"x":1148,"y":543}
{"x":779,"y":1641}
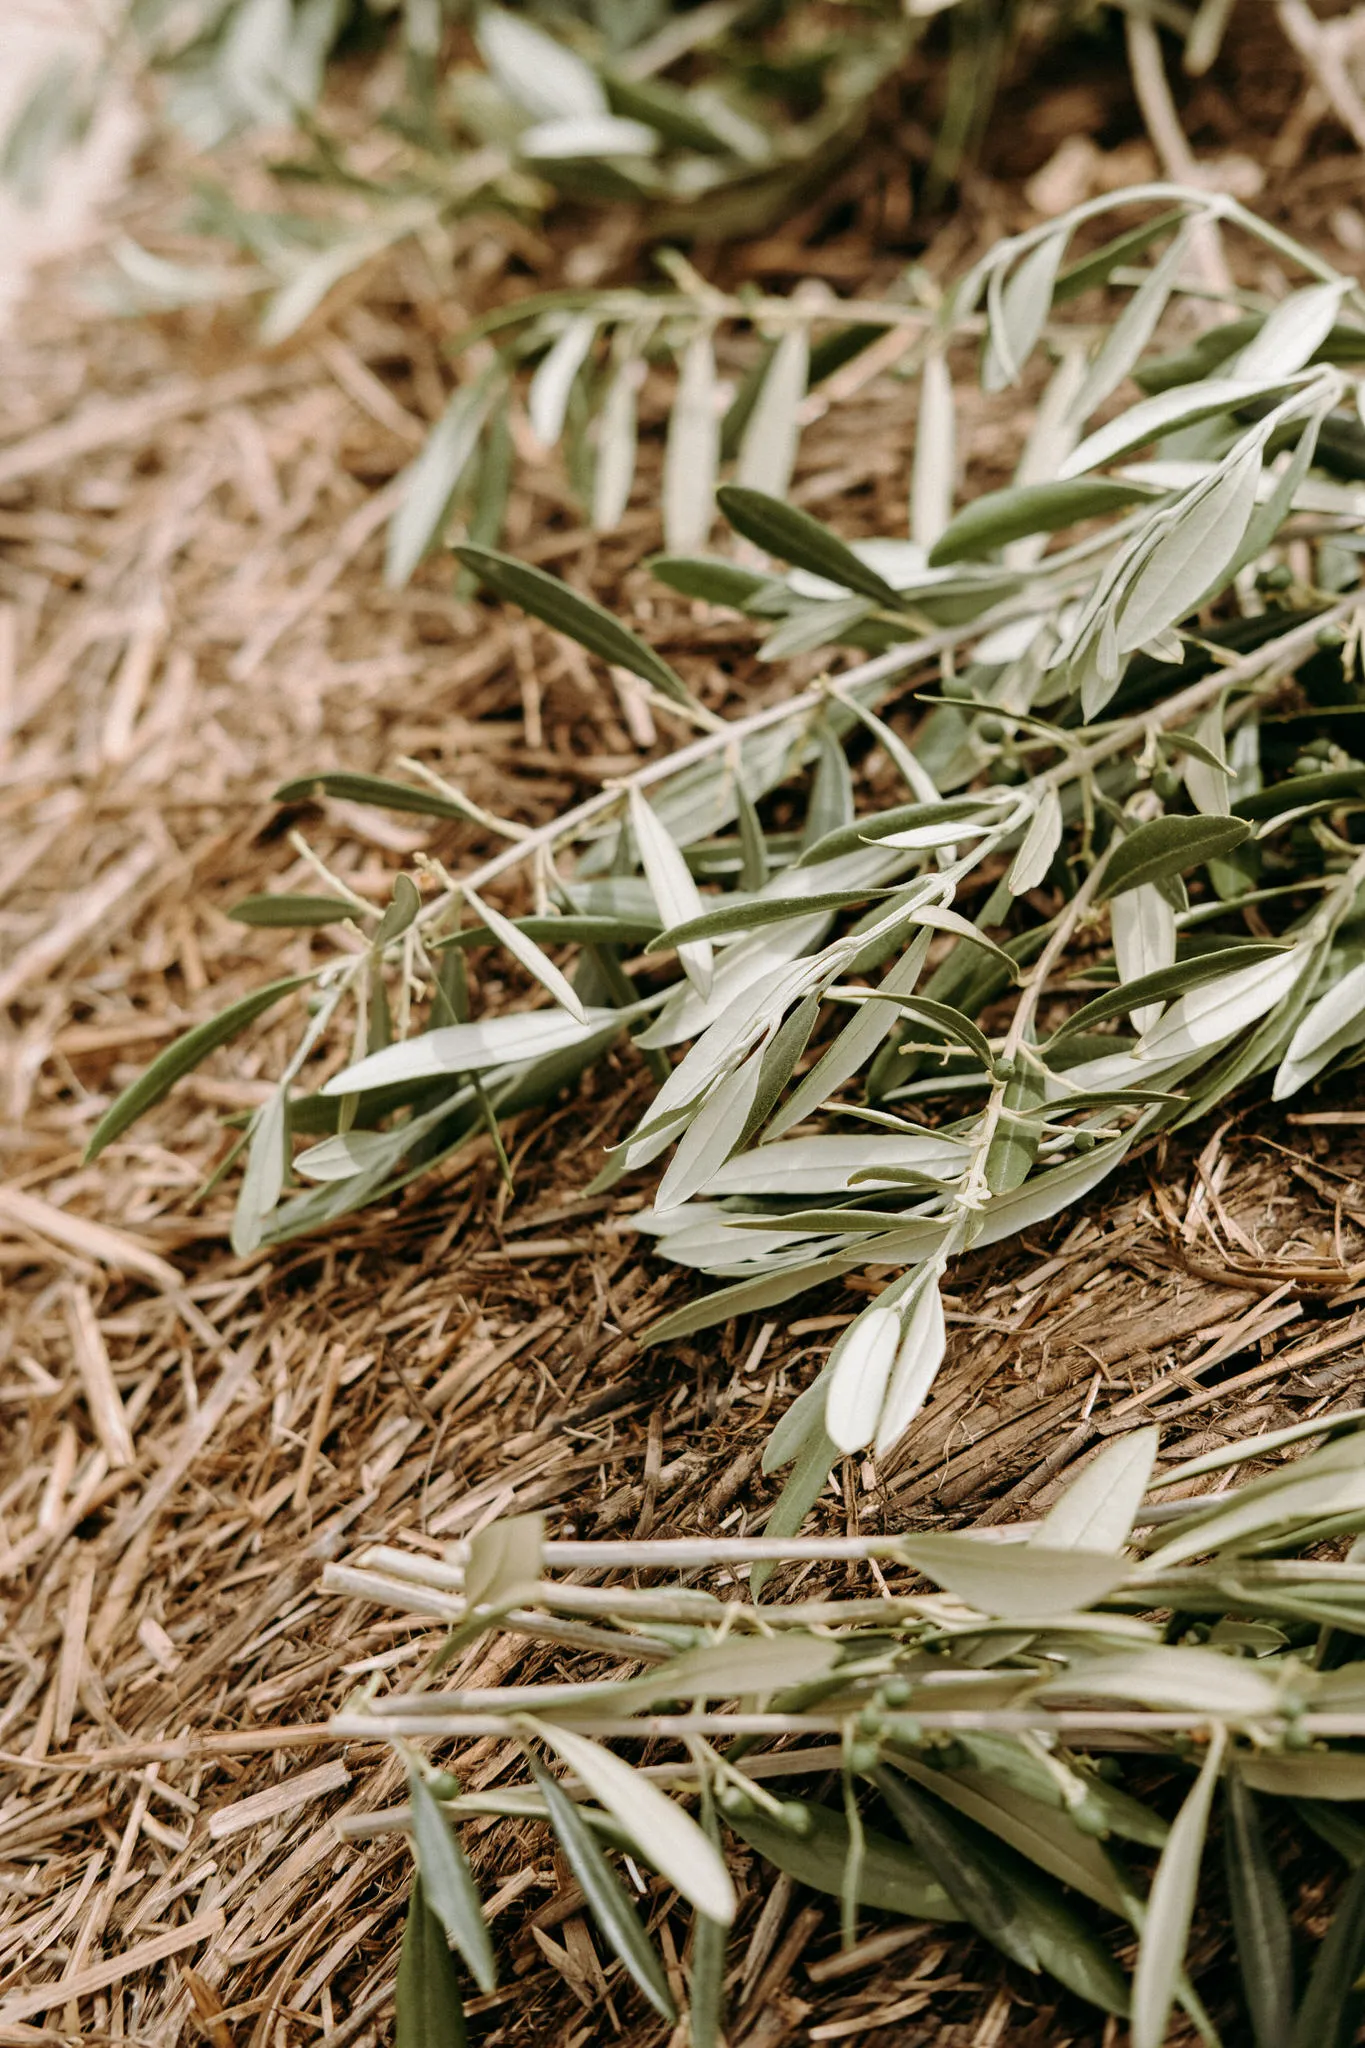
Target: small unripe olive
{"x":1330,"y":636}
{"x":863,"y":1756}
{"x":798,"y":1819}
{"x":1166,"y":783}
{"x":444,"y":1785}
{"x":1084,"y":1141}
{"x":896,"y":1691}
{"x":990,"y":729}
{"x":735,"y":1801}
{"x":1279,"y":577}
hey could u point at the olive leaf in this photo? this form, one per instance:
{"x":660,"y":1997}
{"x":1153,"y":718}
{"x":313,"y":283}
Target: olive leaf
{"x":1259,"y":1917}
{"x":447,"y":1884}
{"x":607,"y":1901}
{"x":1168,"y":846}
{"x":664,"y":1835}
{"x":1165,"y":1931}
{"x":428,"y":2012}
{"x":183,"y":1057}
{"x":795,"y":537}
{"x":569,"y":612}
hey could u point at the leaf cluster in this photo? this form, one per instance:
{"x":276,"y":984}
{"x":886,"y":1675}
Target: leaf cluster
{"x":985,"y":1727}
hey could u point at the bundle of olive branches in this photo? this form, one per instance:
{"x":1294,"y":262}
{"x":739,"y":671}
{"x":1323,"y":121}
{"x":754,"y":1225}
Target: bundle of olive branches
{"x":1140,"y":763}
{"x":964,"y":1755}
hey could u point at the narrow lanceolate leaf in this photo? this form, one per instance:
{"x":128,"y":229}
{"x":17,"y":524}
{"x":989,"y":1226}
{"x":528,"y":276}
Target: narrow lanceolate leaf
{"x":1041,"y":841}
{"x":607,"y":1900}
{"x":1153,"y":418}
{"x":569,"y":612}
{"x":1168,"y":846}
{"x":447,"y":1883}
{"x":1158,"y":987}
{"x":767,"y":452}
{"x":263,"y":1182}
{"x":1142,"y":924}
{"x":922,"y":1345}
{"x":428,"y":2012}
{"x":470,"y":1048}
{"x":1293,"y":333}
{"x":692,"y":451}
{"x":614,"y":472}
{"x":998,"y":517}
{"x":548,"y":398}
{"x":378,"y":790}
{"x":1206,"y":772}
{"x":432,"y":481}
{"x":1335,"y":1022}
{"x":1097,"y":1510}
{"x":1203,"y":537}
{"x":182,"y":1058}
{"x":860,"y":1371}
{"x":933,"y":474}
{"x":525,"y":949}
{"x":1332,"y":2001}
{"x":1018,"y":311}
{"x":961,"y":1863}
{"x":1133,"y":329}
{"x":665,"y":1836}
{"x":712,"y":1135}
{"x":1014,"y":1147}
{"x":1259,"y":1919}
{"x":706,"y":1978}
{"x":1212,"y":1014}
{"x":1165,"y":1932}
{"x":672,"y":887}
{"x":283,"y":912}
{"x":793,"y":536}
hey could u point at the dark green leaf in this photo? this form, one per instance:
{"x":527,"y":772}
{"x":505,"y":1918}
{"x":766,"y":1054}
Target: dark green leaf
{"x":1014,"y":1148}
{"x":752,"y":916}
{"x":610,"y":1907}
{"x":428,"y":2012}
{"x":284,"y":911}
{"x":447,"y":1883}
{"x":706,"y":1980}
{"x":182,"y":1058}
{"x":1095,"y":269}
{"x":892,"y":1878}
{"x":1331,"y":2001}
{"x":714,"y":581}
{"x":370,"y":789}
{"x":1168,"y":982}
{"x":793,"y":536}
{"x":581,"y":618}
{"x":1289,"y":795}
{"x":998,"y":517}
{"x":1168,"y":846}
{"x":958,"y":1856}
{"x":885,"y":824}
{"x":1259,"y":1919}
